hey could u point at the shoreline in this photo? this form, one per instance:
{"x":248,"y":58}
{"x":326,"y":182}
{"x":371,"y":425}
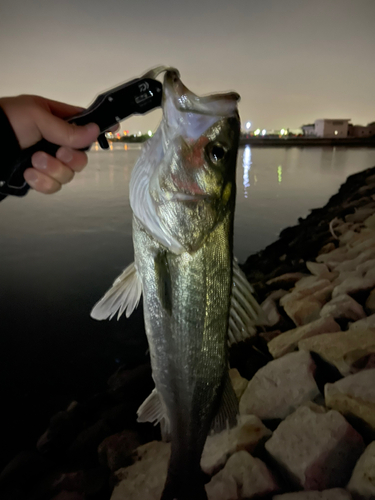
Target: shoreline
{"x":354,"y":142}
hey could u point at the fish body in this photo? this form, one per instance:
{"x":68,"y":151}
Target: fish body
{"x":182,"y":193}
{"x":187,"y":275}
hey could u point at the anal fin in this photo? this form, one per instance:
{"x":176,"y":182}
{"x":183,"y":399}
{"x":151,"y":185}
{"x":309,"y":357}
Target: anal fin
{"x":153,"y":410}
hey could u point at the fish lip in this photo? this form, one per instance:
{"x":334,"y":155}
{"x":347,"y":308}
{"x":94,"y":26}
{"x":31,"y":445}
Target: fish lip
{"x":185,"y":100}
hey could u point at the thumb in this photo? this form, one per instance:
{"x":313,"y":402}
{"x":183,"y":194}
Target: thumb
{"x":62,"y":133}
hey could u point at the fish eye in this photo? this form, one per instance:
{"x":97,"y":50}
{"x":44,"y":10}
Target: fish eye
{"x":217,"y":152}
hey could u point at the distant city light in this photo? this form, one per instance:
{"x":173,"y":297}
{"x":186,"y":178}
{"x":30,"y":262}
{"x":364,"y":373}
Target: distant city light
{"x":282,"y":131}
{"x":264,"y":131}
{"x":149,"y":133}
{"x":139,"y":133}
{"x":257,"y":132}
{"x":248,"y":125}
{"x":336,"y":132}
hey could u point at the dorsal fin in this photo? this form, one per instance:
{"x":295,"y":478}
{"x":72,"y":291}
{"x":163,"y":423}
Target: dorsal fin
{"x":245,"y":312}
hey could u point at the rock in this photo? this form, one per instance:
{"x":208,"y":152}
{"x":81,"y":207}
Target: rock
{"x":316,"y":268}
{"x":370,"y":303}
{"x":370,"y":222}
{"x":337,"y":255}
{"x":242,"y":473}
{"x":280,"y":387}
{"x":245,"y":436}
{"x":85,"y":446}
{"x":317,"y":450}
{"x":354,"y":395}
{"x":307,"y":287}
{"x":115,"y":451}
{"x":353,"y":285}
{"x":362,"y":482}
{"x":285,"y":281}
{"x":360,"y":215}
{"x":333,"y":494}
{"x":90,"y":482}
{"x":327,"y":248}
{"x":144,"y":479}
{"x":343,"y":306}
{"x":341,"y":349}
{"x":363,"y":324}
{"x":351,"y":265}
{"x":303,"y":311}
{"x":271,"y":312}
{"x":239,"y":383}
{"x":288,"y":341}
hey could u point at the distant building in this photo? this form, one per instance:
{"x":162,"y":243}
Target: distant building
{"x":332,"y":128}
{"x":361,"y":131}
{"x":308,"y":129}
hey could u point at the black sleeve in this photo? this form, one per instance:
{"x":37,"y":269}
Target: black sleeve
{"x":9,"y":146}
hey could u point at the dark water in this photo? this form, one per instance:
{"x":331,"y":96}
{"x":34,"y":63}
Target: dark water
{"x":59,"y":254}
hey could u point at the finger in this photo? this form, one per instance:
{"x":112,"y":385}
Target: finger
{"x":52,"y":167}
{"x":76,"y":160}
{"x":60,"y":132}
{"x":63,"y":110}
{"x":41,"y":182}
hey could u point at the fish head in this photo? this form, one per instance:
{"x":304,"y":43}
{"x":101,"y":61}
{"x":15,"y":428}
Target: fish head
{"x":192,"y":187}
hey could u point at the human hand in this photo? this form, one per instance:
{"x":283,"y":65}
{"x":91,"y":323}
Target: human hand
{"x":33,"y":118}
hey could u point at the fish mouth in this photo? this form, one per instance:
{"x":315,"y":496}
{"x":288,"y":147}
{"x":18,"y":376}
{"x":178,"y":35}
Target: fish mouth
{"x":184,"y":100}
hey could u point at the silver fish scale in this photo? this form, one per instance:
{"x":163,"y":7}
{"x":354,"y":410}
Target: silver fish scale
{"x":187,"y":331}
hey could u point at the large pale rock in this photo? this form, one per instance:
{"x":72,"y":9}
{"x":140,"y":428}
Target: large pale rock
{"x":245,"y":436}
{"x":352,"y":264}
{"x":343,"y":306}
{"x":317,"y":450}
{"x":144,"y":479}
{"x":242,"y":473}
{"x":239,"y":383}
{"x":342,"y":349}
{"x":308,"y":286}
{"x":303,"y":311}
{"x":337,"y":255}
{"x":285,"y":281}
{"x":363,"y":324}
{"x":278,"y":388}
{"x":354,"y":395}
{"x":288,"y":341}
{"x":333,"y":494}
{"x":316,"y":268}
{"x":354,"y":285}
{"x":362,"y":482}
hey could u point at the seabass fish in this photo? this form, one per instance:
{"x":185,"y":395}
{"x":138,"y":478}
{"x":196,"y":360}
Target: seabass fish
{"x":182,"y":193}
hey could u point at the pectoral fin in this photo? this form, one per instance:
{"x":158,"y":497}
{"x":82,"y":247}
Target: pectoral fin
{"x":245,"y":312}
{"x":152,"y":410}
{"x":124,"y":295}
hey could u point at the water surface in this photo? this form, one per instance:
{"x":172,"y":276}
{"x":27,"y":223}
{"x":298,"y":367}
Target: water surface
{"x":60,"y":253}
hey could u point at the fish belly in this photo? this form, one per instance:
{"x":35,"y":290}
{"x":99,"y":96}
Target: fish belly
{"x":186,"y":309}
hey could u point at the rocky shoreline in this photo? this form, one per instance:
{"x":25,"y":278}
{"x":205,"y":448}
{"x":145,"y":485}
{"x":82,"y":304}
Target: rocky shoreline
{"x":305,"y":382}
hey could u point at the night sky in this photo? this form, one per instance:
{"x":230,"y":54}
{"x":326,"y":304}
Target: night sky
{"x":292,"y":61}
